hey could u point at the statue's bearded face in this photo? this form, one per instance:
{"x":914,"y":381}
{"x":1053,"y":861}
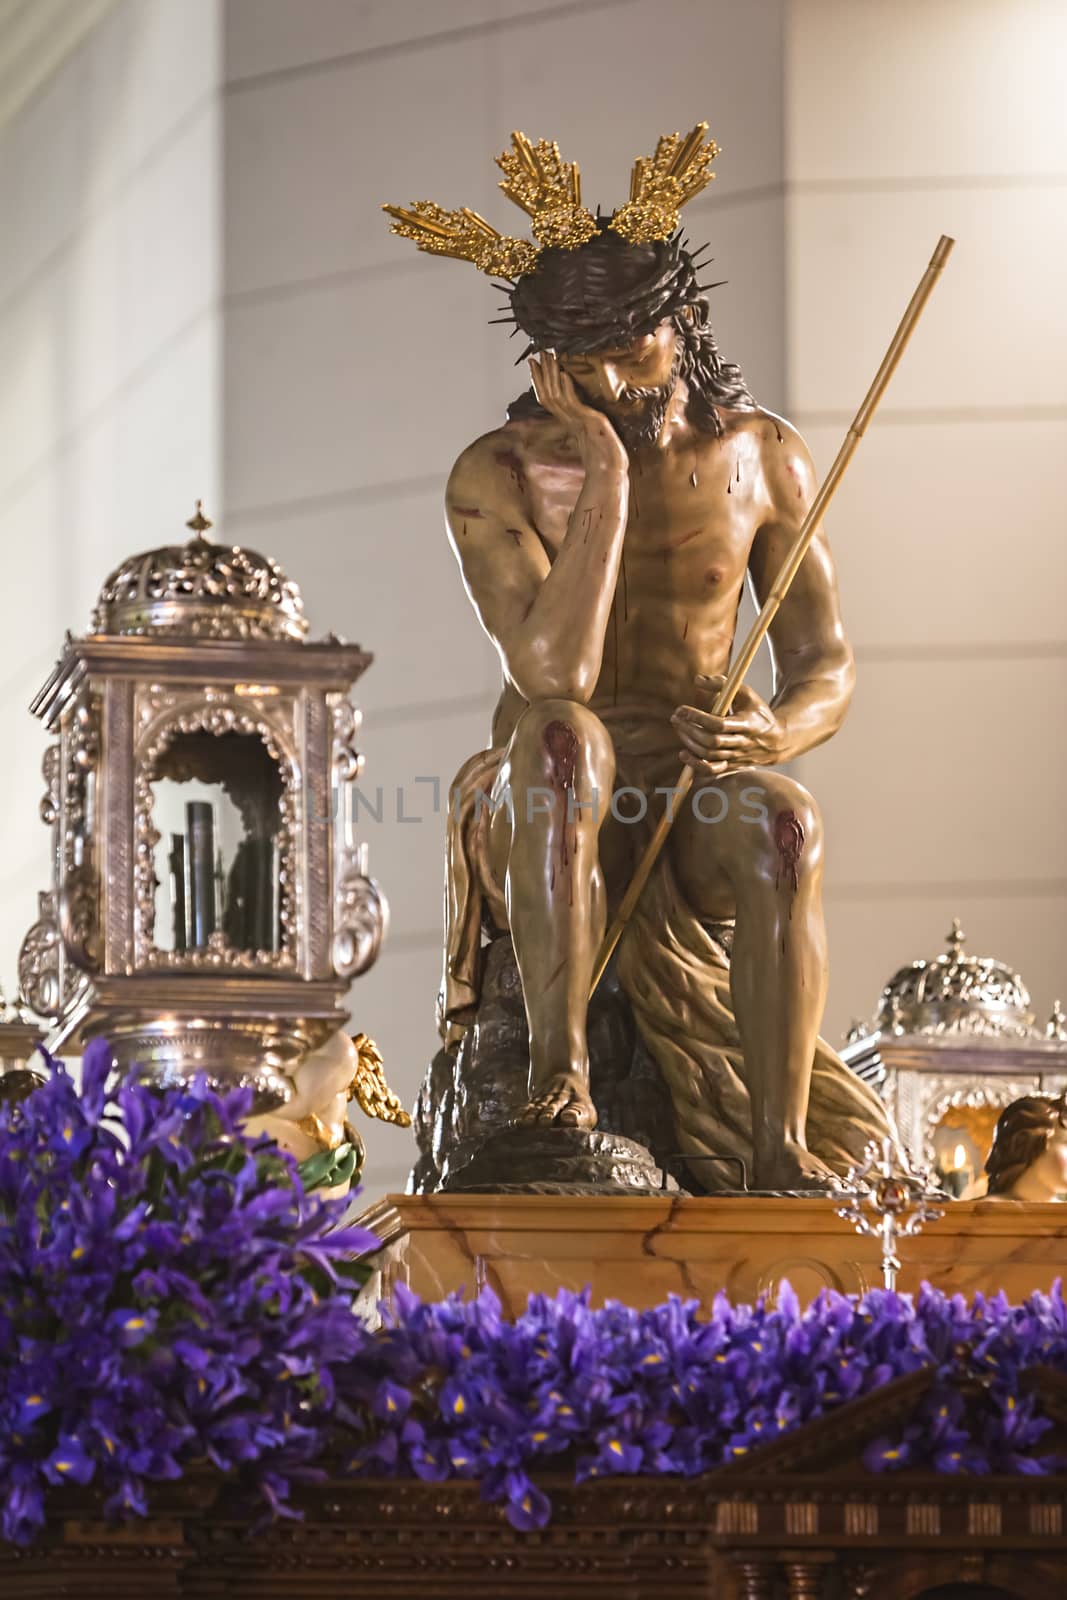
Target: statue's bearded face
{"x":632,"y":384}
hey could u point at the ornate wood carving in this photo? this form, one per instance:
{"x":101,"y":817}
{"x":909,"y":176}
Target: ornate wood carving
{"x":814,"y":1525}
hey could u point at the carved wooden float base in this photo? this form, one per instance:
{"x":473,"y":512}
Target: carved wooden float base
{"x":441,"y":1547}
{"x":799,"y":1520}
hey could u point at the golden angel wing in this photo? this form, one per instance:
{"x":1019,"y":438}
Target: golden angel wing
{"x":370,"y":1088}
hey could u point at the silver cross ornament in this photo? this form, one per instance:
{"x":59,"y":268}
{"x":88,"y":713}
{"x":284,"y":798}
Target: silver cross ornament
{"x":888,"y":1200}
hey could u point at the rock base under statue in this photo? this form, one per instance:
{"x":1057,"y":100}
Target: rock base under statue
{"x":468,"y":1111}
{"x":640,"y":1249}
{"x":558,"y":1161}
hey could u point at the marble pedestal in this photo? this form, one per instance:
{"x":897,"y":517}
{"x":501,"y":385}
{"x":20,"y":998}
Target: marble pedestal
{"x":641,"y":1249}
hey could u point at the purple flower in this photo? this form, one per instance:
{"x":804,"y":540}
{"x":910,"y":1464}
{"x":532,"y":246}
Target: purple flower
{"x":527,"y":1506}
{"x":392,"y":1402}
{"x":666,"y":1390}
{"x":169,"y":1293}
{"x":69,"y":1462}
{"x":887,"y":1455}
{"x":22,"y":1514}
{"x":615,"y":1453}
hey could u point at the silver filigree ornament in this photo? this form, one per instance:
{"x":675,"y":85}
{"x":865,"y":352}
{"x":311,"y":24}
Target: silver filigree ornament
{"x":890,"y":1200}
{"x":956,"y":993}
{"x":63,"y":946}
{"x":198,"y":669}
{"x":361,"y":913}
{"x":200,"y":590}
{"x":955,"y":1034}
{"x":1056,"y":1026}
{"x":21,"y":1070}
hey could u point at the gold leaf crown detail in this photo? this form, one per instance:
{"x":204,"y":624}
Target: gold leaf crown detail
{"x":549,"y":190}
{"x":660,"y":185}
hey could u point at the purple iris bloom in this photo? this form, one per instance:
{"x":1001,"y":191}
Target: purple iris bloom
{"x":169,"y":1293}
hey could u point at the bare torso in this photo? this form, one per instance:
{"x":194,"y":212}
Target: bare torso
{"x":694,"y":510}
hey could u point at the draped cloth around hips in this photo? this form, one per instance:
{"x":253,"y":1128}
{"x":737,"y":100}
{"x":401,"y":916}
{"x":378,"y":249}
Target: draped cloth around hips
{"x":675,"y":973}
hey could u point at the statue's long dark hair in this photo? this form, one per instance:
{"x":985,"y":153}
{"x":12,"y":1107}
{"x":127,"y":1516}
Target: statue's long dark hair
{"x":609,"y":292}
{"x":1022,"y":1135}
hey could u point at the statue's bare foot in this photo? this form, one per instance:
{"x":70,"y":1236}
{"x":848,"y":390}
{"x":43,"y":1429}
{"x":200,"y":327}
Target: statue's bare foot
{"x":563,"y":1100}
{"x":790,"y":1167}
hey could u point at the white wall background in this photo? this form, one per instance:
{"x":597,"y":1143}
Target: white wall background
{"x":109,"y":369}
{"x":199,"y":295}
{"x":943,"y":794}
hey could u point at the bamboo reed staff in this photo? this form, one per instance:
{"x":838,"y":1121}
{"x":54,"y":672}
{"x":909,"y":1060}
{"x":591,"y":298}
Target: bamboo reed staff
{"x":788,"y":572}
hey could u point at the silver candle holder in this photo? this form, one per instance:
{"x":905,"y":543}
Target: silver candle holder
{"x":888,"y":1201}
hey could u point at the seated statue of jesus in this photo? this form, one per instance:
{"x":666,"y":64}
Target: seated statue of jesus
{"x":605,"y":534}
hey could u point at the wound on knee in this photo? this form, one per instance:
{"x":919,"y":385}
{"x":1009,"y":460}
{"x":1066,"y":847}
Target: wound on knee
{"x":561,"y":752}
{"x":560,"y":743}
{"x":789,"y":842}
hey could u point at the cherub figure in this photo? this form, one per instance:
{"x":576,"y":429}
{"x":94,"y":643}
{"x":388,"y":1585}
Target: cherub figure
{"x":315,"y":1119}
{"x":1028,"y":1157}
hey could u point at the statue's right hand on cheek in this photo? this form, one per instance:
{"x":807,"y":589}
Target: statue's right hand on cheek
{"x":598,"y":443}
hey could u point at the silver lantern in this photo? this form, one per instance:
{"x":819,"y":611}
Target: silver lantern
{"x":951,"y":1043}
{"x":209,"y":906}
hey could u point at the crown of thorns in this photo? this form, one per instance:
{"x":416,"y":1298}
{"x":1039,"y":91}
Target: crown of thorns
{"x":548,"y":189}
